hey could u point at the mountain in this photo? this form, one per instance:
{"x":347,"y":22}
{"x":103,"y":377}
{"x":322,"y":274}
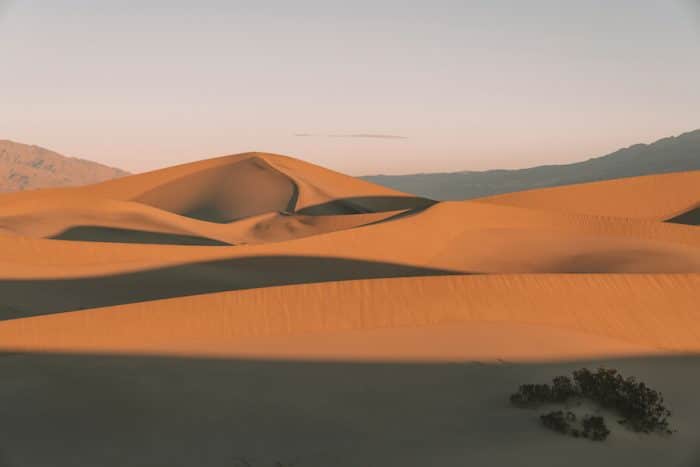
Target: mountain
{"x":25,"y":167}
{"x":674,"y":154}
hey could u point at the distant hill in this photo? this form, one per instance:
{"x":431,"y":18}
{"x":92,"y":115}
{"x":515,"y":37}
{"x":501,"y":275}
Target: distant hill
{"x":674,"y":154}
{"x":25,"y":167}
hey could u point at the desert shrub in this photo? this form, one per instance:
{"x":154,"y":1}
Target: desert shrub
{"x":594,"y":428}
{"x":556,"y":421}
{"x":643,"y":408}
{"x":531,"y":394}
{"x":561,"y":390}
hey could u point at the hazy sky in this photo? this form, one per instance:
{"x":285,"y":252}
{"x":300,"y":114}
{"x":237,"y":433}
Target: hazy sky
{"x":359,"y":86}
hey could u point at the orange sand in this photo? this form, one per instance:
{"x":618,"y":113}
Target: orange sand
{"x":593,"y":262}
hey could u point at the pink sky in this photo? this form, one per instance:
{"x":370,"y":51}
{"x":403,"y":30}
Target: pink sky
{"x":468,"y":85}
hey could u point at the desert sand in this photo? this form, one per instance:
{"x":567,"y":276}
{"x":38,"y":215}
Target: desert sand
{"x":256,"y":308}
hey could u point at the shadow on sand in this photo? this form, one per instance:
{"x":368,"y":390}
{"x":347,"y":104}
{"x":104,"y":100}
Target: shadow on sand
{"x":691,"y":217}
{"x":92,"y":233}
{"x":113,"y":411}
{"x":21,"y":298}
{"x":366,"y":204}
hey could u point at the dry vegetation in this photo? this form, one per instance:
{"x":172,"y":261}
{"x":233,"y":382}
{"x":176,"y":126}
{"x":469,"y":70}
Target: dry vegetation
{"x":641,"y":407}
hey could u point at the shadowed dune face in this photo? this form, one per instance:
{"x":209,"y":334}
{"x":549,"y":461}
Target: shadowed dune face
{"x":325,"y":267}
{"x":23,"y":298}
{"x":646,"y":312}
{"x":367,"y":204}
{"x":224,"y":194}
{"x":225,"y":189}
{"x":129,"y":410}
{"x":88,"y":233}
{"x":691,"y":217}
{"x":129,"y":222}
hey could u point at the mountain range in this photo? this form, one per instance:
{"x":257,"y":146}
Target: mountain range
{"x":26,"y":167}
{"x":674,"y":154}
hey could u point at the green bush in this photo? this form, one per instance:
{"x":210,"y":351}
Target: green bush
{"x":593,"y":427}
{"x":556,"y":421}
{"x":561,"y":390}
{"x":643,"y":408}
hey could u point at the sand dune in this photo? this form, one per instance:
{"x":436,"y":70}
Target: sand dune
{"x":618,"y":307}
{"x":231,"y":187}
{"x":459,"y":236}
{"x":264,"y":257}
{"x":690,"y":217}
{"x":57,"y":247}
{"x":654,"y":197}
{"x":100,"y":220}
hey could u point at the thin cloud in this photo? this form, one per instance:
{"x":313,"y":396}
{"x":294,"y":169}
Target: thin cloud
{"x":369,"y":135}
{"x":356,"y":135}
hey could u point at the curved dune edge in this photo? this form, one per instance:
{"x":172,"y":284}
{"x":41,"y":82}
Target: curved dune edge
{"x":610,"y":307}
{"x":261,"y":182}
{"x":485,"y":236}
{"x":474,"y":340}
{"x":460,"y":236}
{"x":52,"y":218}
{"x":241,"y":199}
{"x":689,"y":217}
{"x":652,"y":197}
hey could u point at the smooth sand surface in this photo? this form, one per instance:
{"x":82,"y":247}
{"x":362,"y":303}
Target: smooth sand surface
{"x":114,"y":411}
{"x":656,"y":197}
{"x":618,"y":307}
{"x":255,"y":306}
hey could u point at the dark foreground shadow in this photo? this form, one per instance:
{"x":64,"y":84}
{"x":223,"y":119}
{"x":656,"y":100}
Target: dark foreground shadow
{"x":91,"y":233}
{"x":366,"y":204}
{"x":81,"y":410}
{"x":691,"y":217}
{"x":23,"y":298}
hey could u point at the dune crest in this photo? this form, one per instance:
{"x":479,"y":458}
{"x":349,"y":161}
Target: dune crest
{"x":261,"y":296}
{"x":650,"y":197}
{"x":204,"y":258}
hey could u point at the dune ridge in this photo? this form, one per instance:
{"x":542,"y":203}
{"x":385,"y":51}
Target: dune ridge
{"x":258,"y":304}
{"x":620,"y":307}
{"x":203,"y":256}
{"x":651,"y":197}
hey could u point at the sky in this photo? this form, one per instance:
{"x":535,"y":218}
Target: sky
{"x":363,"y":87}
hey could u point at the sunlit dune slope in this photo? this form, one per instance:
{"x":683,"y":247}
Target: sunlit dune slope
{"x":233,"y":187}
{"x":621,"y":313}
{"x":276,"y":197}
{"x":236,"y":255}
{"x":40,"y":276}
{"x":104,"y":220}
{"x":457,"y":236}
{"x":652,"y":197}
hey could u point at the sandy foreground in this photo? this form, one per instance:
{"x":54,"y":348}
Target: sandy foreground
{"x":255,"y":309}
